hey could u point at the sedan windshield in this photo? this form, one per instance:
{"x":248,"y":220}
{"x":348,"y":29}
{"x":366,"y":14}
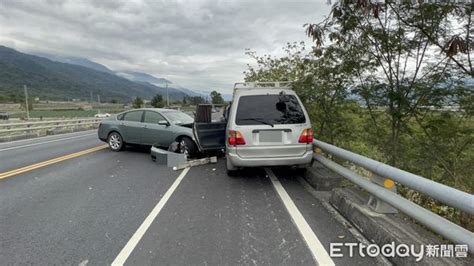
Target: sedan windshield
{"x":177,"y":117}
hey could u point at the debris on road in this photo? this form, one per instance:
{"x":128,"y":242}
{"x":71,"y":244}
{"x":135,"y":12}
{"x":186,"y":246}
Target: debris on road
{"x":196,"y":162}
{"x":178,"y":161}
{"x":168,"y":158}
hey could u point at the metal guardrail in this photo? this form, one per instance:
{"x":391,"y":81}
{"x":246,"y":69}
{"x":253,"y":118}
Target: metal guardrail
{"x":41,"y":125}
{"x":448,"y":195}
{"x":48,"y":122}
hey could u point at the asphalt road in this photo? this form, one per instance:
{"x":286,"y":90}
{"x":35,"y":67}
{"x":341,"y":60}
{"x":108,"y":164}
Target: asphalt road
{"x":87,"y":210}
{"x":26,"y":152}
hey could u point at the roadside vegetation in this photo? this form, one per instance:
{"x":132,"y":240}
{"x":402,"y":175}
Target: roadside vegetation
{"x":393,"y":82}
{"x":64,"y":113}
{"x":63,"y":109}
{"x":216,"y":98}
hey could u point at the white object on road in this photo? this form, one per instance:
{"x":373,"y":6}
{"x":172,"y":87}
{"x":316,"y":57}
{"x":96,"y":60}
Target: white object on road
{"x":168,"y":158}
{"x":196,"y":162}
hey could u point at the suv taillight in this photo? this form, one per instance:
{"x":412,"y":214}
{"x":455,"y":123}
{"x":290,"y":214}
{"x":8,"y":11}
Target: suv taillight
{"x":235,"y":138}
{"x":306,"y":136}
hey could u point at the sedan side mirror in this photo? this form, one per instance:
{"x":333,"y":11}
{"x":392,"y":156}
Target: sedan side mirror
{"x":163,"y":123}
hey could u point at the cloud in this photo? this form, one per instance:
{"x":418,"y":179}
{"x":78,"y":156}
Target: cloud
{"x":197,"y":44}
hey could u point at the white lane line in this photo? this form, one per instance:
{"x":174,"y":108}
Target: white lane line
{"x":132,"y":243}
{"x":44,"y":142}
{"x":317,"y":249}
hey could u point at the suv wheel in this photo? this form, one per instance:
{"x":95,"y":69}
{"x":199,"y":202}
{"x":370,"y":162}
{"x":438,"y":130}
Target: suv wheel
{"x":115,"y":141}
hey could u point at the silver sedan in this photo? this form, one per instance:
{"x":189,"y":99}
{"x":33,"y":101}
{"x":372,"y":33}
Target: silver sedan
{"x":149,"y":126}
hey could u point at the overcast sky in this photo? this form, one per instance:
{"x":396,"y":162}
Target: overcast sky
{"x":198,"y":44}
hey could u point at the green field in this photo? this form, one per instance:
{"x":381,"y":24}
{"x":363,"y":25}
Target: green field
{"x":78,"y":113}
{"x":63,"y":113}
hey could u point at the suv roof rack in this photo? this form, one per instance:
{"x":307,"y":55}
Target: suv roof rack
{"x":265,"y":85}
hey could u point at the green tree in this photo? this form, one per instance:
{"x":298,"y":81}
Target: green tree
{"x":377,"y":81}
{"x":196,"y":100}
{"x":409,"y":61}
{"x":157,"y":101}
{"x":216,"y":98}
{"x":137,"y":102}
{"x":320,"y":82}
{"x":402,"y":53}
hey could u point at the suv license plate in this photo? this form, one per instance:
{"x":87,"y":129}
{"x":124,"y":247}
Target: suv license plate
{"x":270,"y":136}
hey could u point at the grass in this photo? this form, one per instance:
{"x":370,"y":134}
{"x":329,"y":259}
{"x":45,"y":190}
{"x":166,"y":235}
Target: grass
{"x":63,"y":113}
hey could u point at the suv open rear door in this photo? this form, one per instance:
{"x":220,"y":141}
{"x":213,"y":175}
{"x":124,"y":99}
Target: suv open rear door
{"x":209,"y":127}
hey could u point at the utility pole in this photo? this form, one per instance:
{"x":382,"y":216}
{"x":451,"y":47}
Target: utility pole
{"x":98,"y":98}
{"x":91,"y":96}
{"x":167,"y":96}
{"x":26,"y":102}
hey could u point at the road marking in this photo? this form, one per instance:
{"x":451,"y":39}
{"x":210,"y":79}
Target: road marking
{"x":381,"y":260}
{"x":48,"y":137}
{"x":49,"y":162}
{"x":132,"y":243}
{"x":45,"y":142}
{"x":312,"y":241}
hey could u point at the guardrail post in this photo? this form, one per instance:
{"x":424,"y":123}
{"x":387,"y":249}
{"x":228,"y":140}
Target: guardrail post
{"x":379,"y":205}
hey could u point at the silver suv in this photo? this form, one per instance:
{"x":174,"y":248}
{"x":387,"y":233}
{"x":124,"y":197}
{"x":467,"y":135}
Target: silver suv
{"x":266,"y":125}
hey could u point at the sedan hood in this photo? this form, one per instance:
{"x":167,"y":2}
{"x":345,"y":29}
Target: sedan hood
{"x":188,"y":125}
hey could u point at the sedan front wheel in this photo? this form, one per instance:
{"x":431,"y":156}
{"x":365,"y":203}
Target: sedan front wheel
{"x":115,"y":141}
{"x":187,"y":146}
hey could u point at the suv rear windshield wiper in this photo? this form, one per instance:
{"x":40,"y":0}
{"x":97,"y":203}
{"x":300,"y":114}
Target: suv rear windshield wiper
{"x":258,"y":120}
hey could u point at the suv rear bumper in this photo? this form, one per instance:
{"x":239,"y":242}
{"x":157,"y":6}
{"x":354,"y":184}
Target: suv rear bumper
{"x":238,"y":161}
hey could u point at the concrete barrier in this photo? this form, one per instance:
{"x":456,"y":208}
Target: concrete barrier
{"x":386,"y":228}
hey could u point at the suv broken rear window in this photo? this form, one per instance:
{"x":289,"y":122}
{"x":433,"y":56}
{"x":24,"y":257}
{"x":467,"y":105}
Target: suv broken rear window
{"x":272,"y":109}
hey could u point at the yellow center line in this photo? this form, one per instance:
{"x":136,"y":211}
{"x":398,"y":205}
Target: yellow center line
{"x":49,"y":162}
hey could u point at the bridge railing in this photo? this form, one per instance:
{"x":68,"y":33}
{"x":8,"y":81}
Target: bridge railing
{"x":448,"y":195}
{"x":15,"y":128}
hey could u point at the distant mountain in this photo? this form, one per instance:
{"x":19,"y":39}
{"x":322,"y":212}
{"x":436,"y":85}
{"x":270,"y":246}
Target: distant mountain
{"x":160,"y":82}
{"x":227,"y":97}
{"x":138,"y":77}
{"x":187,"y":91}
{"x":55,"y":80}
{"x":143,"y":77}
{"x":76,"y":61}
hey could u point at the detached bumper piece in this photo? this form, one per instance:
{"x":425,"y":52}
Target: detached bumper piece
{"x":167,"y":158}
{"x":177,"y":161}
